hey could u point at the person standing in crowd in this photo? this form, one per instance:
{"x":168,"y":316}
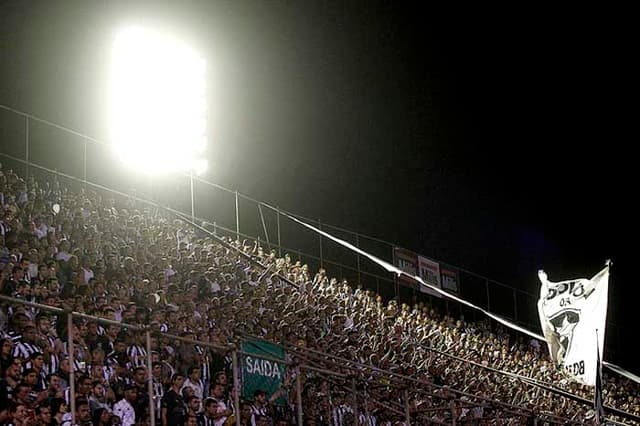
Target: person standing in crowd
{"x":173,"y":410}
{"x":9,"y":383}
{"x":43,"y":415}
{"x":83,"y":414}
{"x":193,"y":404}
{"x":36,"y":361}
{"x":141,"y":404}
{"x":26,"y":344}
{"x":97,"y":398}
{"x":102,"y":417}
{"x":124,"y":408}
{"x":158,"y":389}
{"x":6,"y":349}
{"x":224,"y":408}
{"x":207,"y":417}
{"x":245,"y":413}
{"x":20,"y":415}
{"x":194,"y":381}
{"x":59,"y":409}
{"x":260,"y":405}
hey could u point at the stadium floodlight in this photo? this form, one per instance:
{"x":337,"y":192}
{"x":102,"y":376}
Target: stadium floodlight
{"x":157,"y":105}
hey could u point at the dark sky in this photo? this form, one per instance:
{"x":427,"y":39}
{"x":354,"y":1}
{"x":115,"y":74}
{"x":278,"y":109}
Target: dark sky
{"x":498,"y":140}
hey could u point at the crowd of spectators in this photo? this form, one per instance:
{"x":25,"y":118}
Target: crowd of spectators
{"x":135,"y":264}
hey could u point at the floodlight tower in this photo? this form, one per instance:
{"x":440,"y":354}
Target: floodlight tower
{"x":157,"y":104}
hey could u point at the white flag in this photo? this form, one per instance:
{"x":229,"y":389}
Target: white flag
{"x":570,"y":313}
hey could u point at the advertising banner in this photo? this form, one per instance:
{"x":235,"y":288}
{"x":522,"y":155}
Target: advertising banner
{"x":429,"y":271}
{"x":449,"y":279}
{"x":259,"y":373}
{"x":407,"y":261}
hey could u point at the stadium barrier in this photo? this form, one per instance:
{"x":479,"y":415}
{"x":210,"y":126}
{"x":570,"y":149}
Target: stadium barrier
{"x":352,"y":377}
{"x":28,"y":143}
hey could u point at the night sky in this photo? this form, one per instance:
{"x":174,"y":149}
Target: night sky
{"x":497,"y":140}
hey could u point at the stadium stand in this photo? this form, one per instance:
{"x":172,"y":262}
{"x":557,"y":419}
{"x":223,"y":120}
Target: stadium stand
{"x":124,"y":267}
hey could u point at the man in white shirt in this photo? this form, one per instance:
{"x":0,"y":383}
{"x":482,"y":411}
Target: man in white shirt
{"x":193,"y":381}
{"x":124,"y":408}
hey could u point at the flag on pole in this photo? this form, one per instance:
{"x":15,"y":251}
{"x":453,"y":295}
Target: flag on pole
{"x":570,"y":312}
{"x":598,"y":405}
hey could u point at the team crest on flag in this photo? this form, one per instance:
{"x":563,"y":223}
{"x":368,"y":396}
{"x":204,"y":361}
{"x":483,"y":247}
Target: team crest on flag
{"x":570,"y":313}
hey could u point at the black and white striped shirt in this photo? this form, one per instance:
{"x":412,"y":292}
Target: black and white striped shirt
{"x":24,"y":350}
{"x":138,"y":355}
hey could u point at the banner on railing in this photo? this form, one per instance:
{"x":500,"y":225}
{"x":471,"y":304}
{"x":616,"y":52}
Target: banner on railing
{"x":449,"y":279}
{"x":406,"y":261}
{"x":260,"y":374}
{"x":429,"y":271}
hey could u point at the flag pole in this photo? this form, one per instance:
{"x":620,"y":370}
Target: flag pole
{"x":598,"y":404}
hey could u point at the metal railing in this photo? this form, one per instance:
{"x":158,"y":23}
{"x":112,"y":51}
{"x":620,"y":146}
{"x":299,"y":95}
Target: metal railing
{"x":351,"y":377}
{"x":28,"y":141}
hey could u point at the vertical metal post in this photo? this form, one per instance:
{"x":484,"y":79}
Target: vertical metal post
{"x":215,"y":228}
{"x":26,"y":147}
{"x":236,"y":386}
{"x":237,"y":219}
{"x":358,"y":258}
{"x":486,"y":281}
{"x":72,"y":373}
{"x":278,"y":221}
{"x":355,"y":402}
{"x":407,"y":411}
{"x":264,"y":225}
{"x":396,"y":281}
{"x":320,"y":235}
{"x":299,"y":396}
{"x":84,"y":163}
{"x":193,"y":203}
{"x":152,"y":406}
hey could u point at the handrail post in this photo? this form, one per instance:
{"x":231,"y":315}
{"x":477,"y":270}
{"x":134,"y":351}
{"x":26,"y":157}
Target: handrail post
{"x":26,"y":148}
{"x":152,"y":407}
{"x":396,"y":281}
{"x":84,"y":163}
{"x":236,"y":386}
{"x":264,"y":224}
{"x":278,"y":223}
{"x":237,"y":218}
{"x":320,"y":239}
{"x":486,"y":281}
{"x":72,"y":373}
{"x":358,"y":258}
{"x":193,"y":203}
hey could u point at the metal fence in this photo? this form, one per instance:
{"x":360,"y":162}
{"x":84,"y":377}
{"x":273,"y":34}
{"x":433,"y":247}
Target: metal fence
{"x":352,"y":377}
{"x":28,"y":143}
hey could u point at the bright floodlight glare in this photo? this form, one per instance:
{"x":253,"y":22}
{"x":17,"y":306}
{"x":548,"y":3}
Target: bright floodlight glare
{"x":157,"y":103}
